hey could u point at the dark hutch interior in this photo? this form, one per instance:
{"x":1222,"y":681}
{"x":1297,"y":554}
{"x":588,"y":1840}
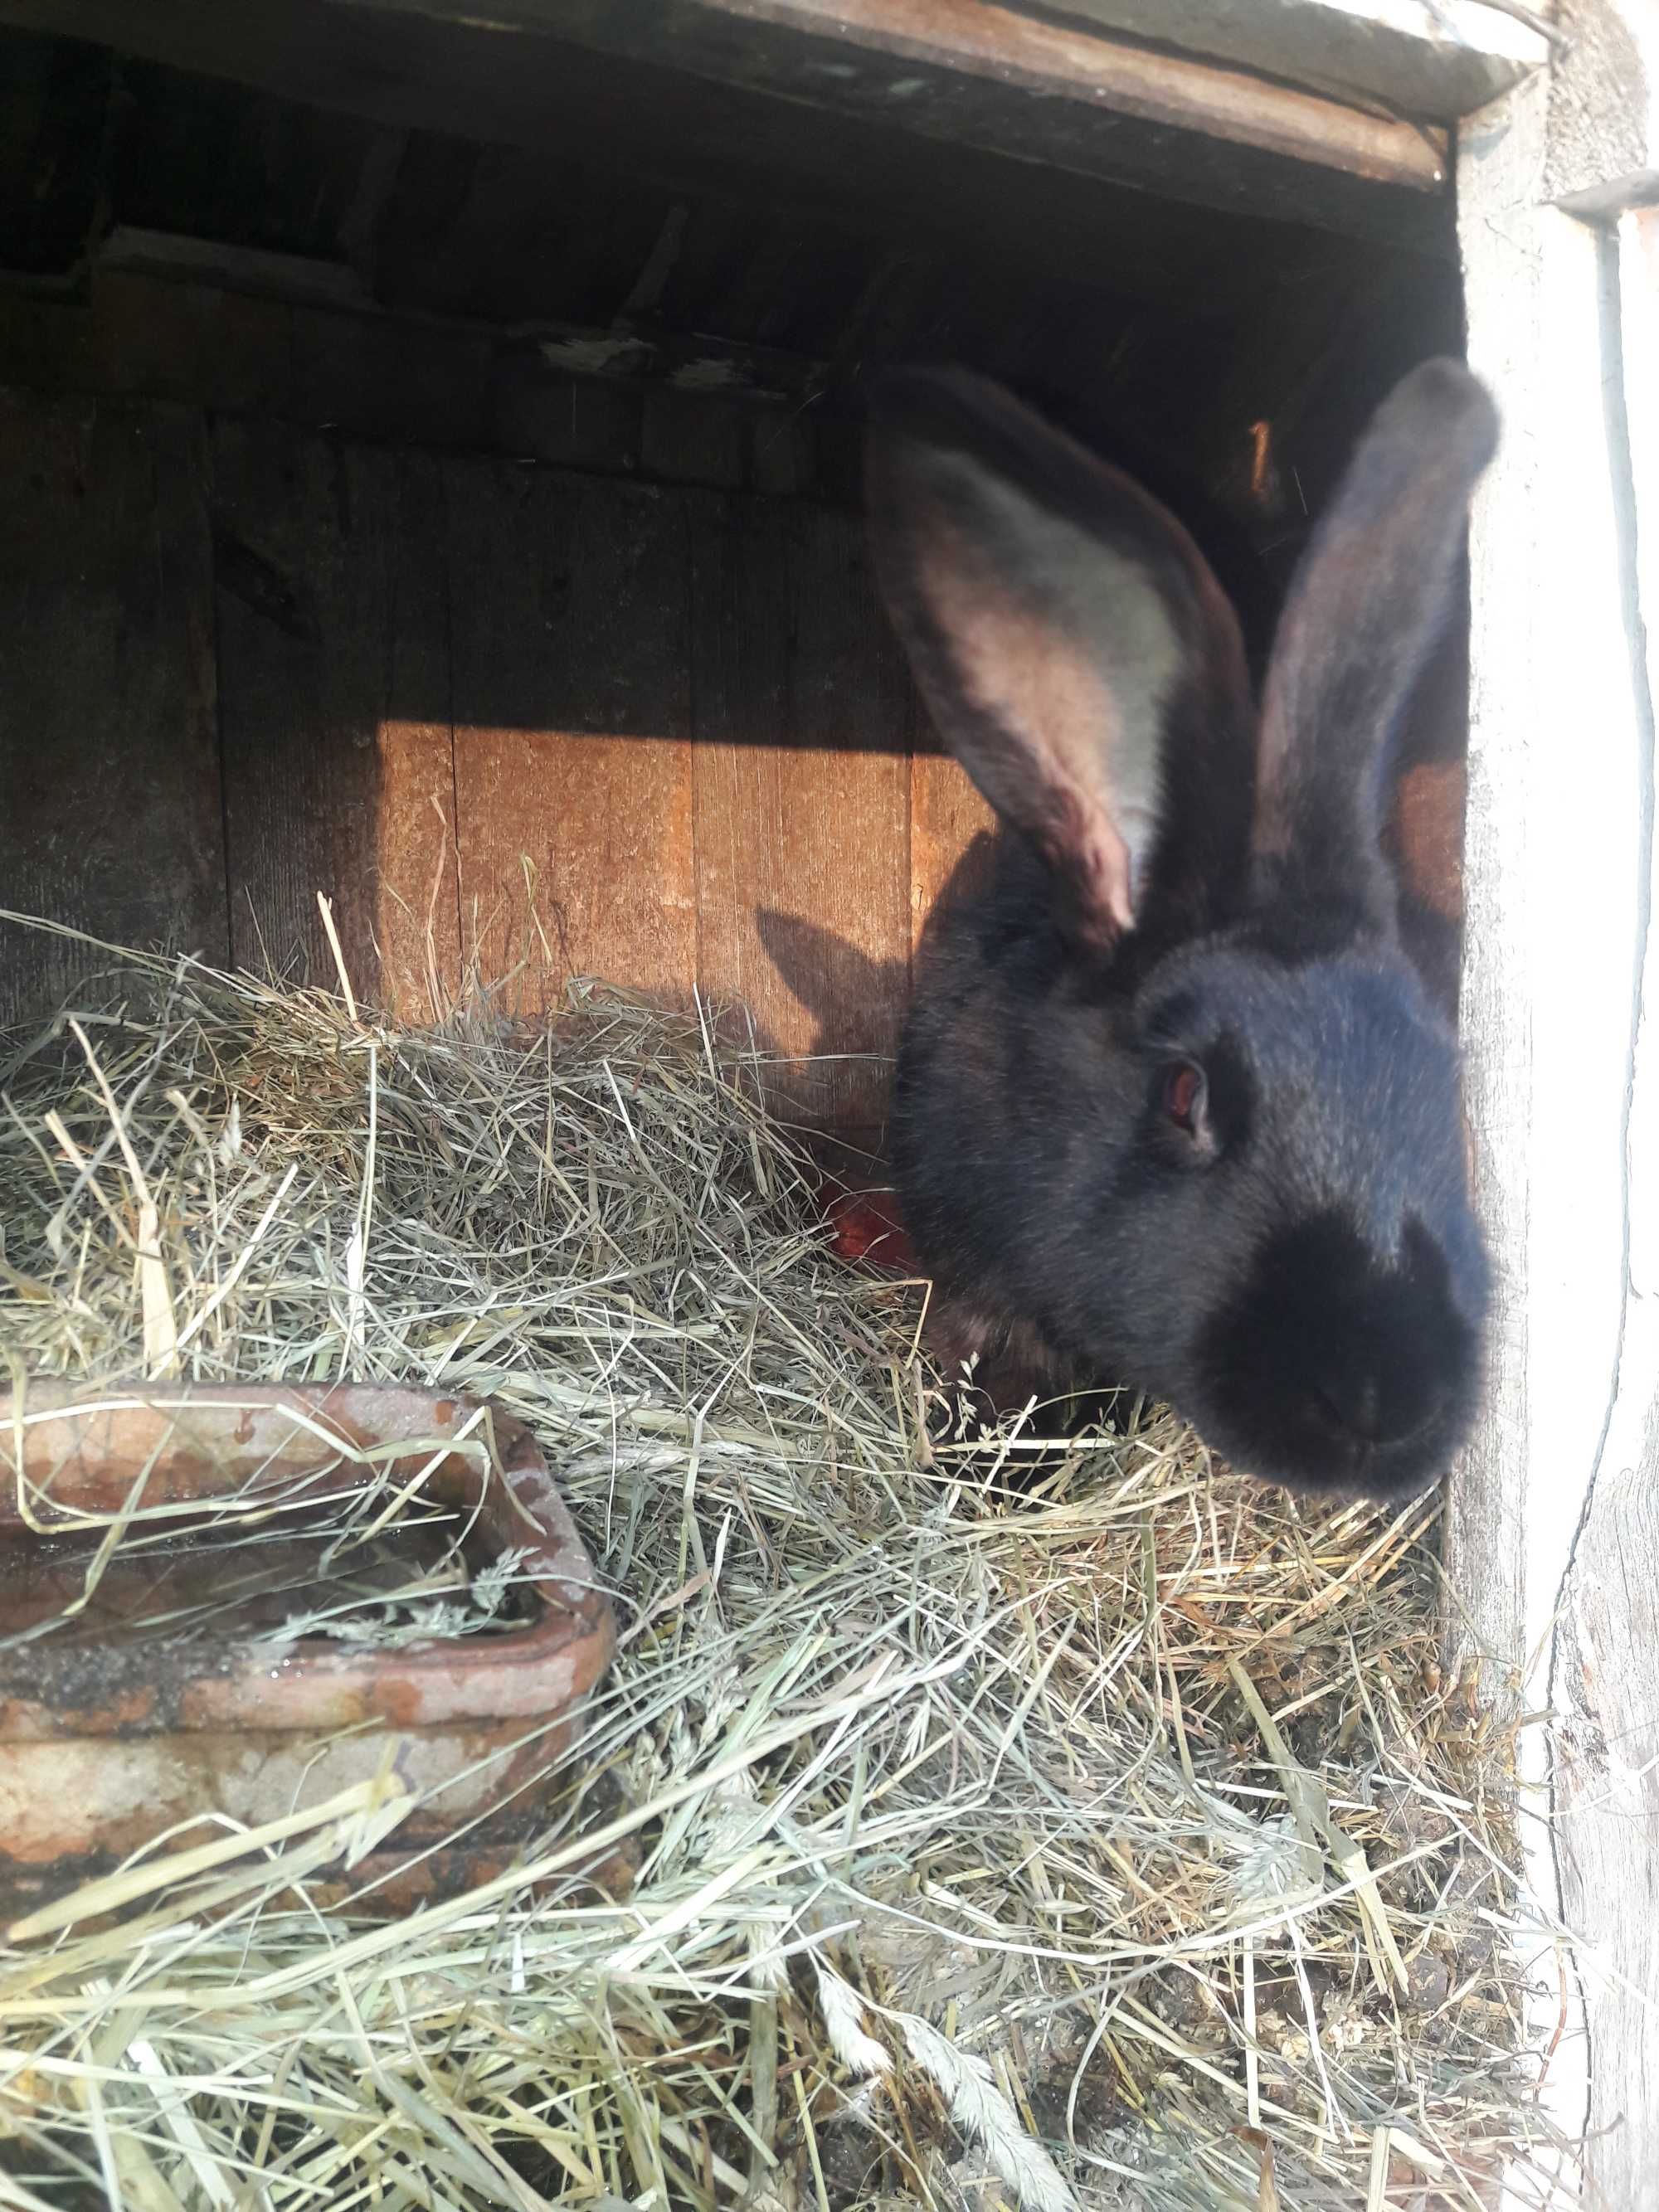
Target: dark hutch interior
{"x":431,"y":457}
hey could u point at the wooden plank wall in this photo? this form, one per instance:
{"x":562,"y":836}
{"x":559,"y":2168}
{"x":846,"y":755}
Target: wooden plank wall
{"x":495,"y":711}
{"x":571,"y":690}
{"x":109,"y":777}
{"x":331,"y":607}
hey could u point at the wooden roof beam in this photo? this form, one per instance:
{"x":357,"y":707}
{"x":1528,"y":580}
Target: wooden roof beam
{"x":1437,"y":59}
{"x":1019,"y":83}
{"x":1061,"y":99}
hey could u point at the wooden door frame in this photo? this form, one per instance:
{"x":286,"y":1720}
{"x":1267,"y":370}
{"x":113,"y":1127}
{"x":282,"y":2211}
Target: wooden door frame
{"x":1553,"y":1530}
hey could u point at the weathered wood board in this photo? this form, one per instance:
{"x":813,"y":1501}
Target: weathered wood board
{"x":573,"y":767}
{"x":458,"y":698}
{"x":1431,"y":58}
{"x":803,"y":719}
{"x":1606,"y":1660}
{"x":1554,"y":1545}
{"x":1040,"y":91}
{"x":109,"y":759}
{"x":332,"y":596}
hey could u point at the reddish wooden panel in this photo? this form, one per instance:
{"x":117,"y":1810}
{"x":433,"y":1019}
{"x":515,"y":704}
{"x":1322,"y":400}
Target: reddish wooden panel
{"x":108,"y":755}
{"x":1428,"y":807}
{"x":412,"y":879}
{"x":949,"y":821}
{"x":1424,"y":834}
{"x":330,"y":565}
{"x":571,"y":705}
{"x":802,"y":785}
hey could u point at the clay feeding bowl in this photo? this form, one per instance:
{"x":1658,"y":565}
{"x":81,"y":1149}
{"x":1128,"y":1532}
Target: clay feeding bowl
{"x":172,"y":1556}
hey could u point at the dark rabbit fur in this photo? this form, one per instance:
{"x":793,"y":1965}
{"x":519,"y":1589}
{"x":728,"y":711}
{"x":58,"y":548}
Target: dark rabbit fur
{"x":1173,"y":1109}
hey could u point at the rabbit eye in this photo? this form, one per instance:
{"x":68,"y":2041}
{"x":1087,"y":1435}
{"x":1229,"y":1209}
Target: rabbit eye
{"x":1183,"y":1096}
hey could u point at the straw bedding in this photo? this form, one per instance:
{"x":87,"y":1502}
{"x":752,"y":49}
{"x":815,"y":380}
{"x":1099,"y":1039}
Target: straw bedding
{"x":1105,"y":1835}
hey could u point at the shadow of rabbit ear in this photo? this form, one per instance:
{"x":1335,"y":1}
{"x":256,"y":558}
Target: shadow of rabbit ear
{"x":832,"y":979}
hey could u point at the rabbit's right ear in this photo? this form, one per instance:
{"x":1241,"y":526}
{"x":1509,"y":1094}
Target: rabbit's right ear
{"x":1374,"y":592}
{"x":1064,"y":630}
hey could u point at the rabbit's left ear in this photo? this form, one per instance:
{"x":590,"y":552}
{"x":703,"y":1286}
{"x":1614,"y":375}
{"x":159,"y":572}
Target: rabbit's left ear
{"x":1372,"y":597}
{"x":1069,"y":642}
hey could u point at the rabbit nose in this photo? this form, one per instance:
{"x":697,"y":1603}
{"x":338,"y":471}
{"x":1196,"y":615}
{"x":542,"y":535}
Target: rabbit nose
{"x":1377,"y":1407}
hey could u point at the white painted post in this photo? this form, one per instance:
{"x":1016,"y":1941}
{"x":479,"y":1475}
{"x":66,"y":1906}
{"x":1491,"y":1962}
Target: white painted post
{"x":1554,"y":1545}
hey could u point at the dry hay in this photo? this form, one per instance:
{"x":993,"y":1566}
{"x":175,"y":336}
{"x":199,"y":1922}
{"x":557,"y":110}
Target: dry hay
{"x":1121,"y":1811}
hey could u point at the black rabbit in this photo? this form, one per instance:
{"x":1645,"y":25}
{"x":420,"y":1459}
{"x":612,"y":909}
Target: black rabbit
{"x":1173,"y":1109}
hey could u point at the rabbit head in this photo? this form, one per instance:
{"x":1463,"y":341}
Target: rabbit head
{"x":1171,"y":1094}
